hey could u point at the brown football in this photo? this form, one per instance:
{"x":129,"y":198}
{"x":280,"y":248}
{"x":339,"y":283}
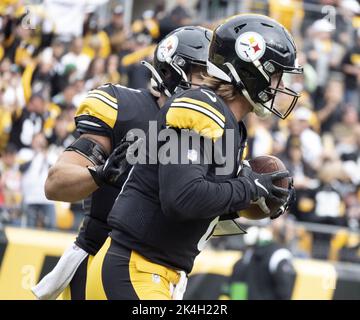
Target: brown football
{"x":265,"y":164}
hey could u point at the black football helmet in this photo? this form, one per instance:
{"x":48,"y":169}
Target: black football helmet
{"x":253,"y":51}
{"x":175,"y":55}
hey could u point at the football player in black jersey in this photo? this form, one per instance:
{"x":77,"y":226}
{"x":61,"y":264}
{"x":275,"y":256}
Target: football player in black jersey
{"x":168,"y":208}
{"x":103,"y":119}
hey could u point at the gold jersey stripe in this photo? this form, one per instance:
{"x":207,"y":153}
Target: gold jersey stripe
{"x":199,"y":109}
{"x":103,"y":99}
{"x":105,"y":94}
{"x":184,"y":118}
{"x":202,"y":104}
{"x":98,"y":109}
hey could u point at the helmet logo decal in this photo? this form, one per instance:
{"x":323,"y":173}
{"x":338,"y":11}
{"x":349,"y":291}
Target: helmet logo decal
{"x":167,"y":48}
{"x":250,"y":46}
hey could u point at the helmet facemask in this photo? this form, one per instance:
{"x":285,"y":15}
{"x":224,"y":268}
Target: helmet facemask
{"x":264,"y":94}
{"x":157,"y":83}
{"x":258,"y":56}
{"x":279,"y":98}
{"x":175,"y":56}
{"x":174,"y":77}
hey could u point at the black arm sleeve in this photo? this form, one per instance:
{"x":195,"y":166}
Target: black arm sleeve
{"x":185,"y":193}
{"x":92,"y":125}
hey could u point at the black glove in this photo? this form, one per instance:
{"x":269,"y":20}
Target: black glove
{"x":116,"y":168}
{"x":290,"y":199}
{"x":262,"y":187}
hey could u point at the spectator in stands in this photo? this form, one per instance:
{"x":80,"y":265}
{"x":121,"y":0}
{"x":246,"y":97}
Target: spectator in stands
{"x":137,"y":75}
{"x":265,"y":270}
{"x":310,"y":16}
{"x":349,"y":123}
{"x":10,"y":189}
{"x":351,"y":69}
{"x":329,"y":207}
{"x":96,"y":41}
{"x":81,"y":93}
{"x":11,"y":97}
{"x":27,"y":122}
{"x":311,"y":145}
{"x":95,"y":76}
{"x":347,"y":147}
{"x":19,"y":46}
{"x":179,"y":16}
{"x":260,"y":139}
{"x":293,"y":159}
{"x":65,"y":99}
{"x":39,"y":211}
{"x":353,"y":209}
{"x":42,"y":75}
{"x":115,"y":30}
{"x":10,"y":83}
{"x":55,"y":53}
{"x":323,"y":53}
{"x":76,"y":58}
{"x":112,"y":74}
{"x":63,"y":133}
{"x":330,"y":111}
{"x":348,"y":11}
{"x":309,"y":76}
{"x":67,"y":15}
{"x":304,"y":176}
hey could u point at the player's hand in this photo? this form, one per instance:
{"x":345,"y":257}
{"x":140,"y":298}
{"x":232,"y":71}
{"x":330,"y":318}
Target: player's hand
{"x":262,"y":187}
{"x":290,"y":199}
{"x":116,"y":168}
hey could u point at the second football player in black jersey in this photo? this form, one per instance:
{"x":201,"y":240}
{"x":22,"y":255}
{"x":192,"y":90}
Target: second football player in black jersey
{"x":103,"y":119}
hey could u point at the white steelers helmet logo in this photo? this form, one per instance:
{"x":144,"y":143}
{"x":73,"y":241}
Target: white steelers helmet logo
{"x":167,"y":48}
{"x":250,"y":46}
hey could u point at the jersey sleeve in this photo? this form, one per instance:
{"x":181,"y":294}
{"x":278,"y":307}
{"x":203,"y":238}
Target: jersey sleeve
{"x":199,"y":111}
{"x":185,"y":190}
{"x":98,"y":112}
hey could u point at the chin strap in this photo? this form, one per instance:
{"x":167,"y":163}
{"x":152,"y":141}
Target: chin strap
{"x":156,"y":82}
{"x":257,"y":108}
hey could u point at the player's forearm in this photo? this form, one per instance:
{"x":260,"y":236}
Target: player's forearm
{"x":218,"y":199}
{"x":69,"y":183}
{"x":189,"y":196}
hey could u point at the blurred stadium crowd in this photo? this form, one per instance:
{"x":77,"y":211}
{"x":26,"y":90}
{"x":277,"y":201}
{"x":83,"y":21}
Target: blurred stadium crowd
{"x":49,"y":62}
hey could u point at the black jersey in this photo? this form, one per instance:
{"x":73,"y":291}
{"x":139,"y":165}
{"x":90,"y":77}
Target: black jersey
{"x":167,"y":212}
{"x":110,"y":110}
{"x":266,"y":271}
{"x":25,"y":125}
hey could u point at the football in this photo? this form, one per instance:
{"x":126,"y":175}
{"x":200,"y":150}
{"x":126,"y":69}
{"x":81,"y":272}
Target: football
{"x":265,"y":164}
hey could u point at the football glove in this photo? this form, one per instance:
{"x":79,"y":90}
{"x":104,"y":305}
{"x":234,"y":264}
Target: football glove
{"x":116,"y":168}
{"x":262,"y":187}
{"x":290,"y":199}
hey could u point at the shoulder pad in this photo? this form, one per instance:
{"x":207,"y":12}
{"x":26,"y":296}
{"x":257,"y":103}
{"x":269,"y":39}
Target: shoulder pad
{"x":100,"y":103}
{"x":197,"y":111}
